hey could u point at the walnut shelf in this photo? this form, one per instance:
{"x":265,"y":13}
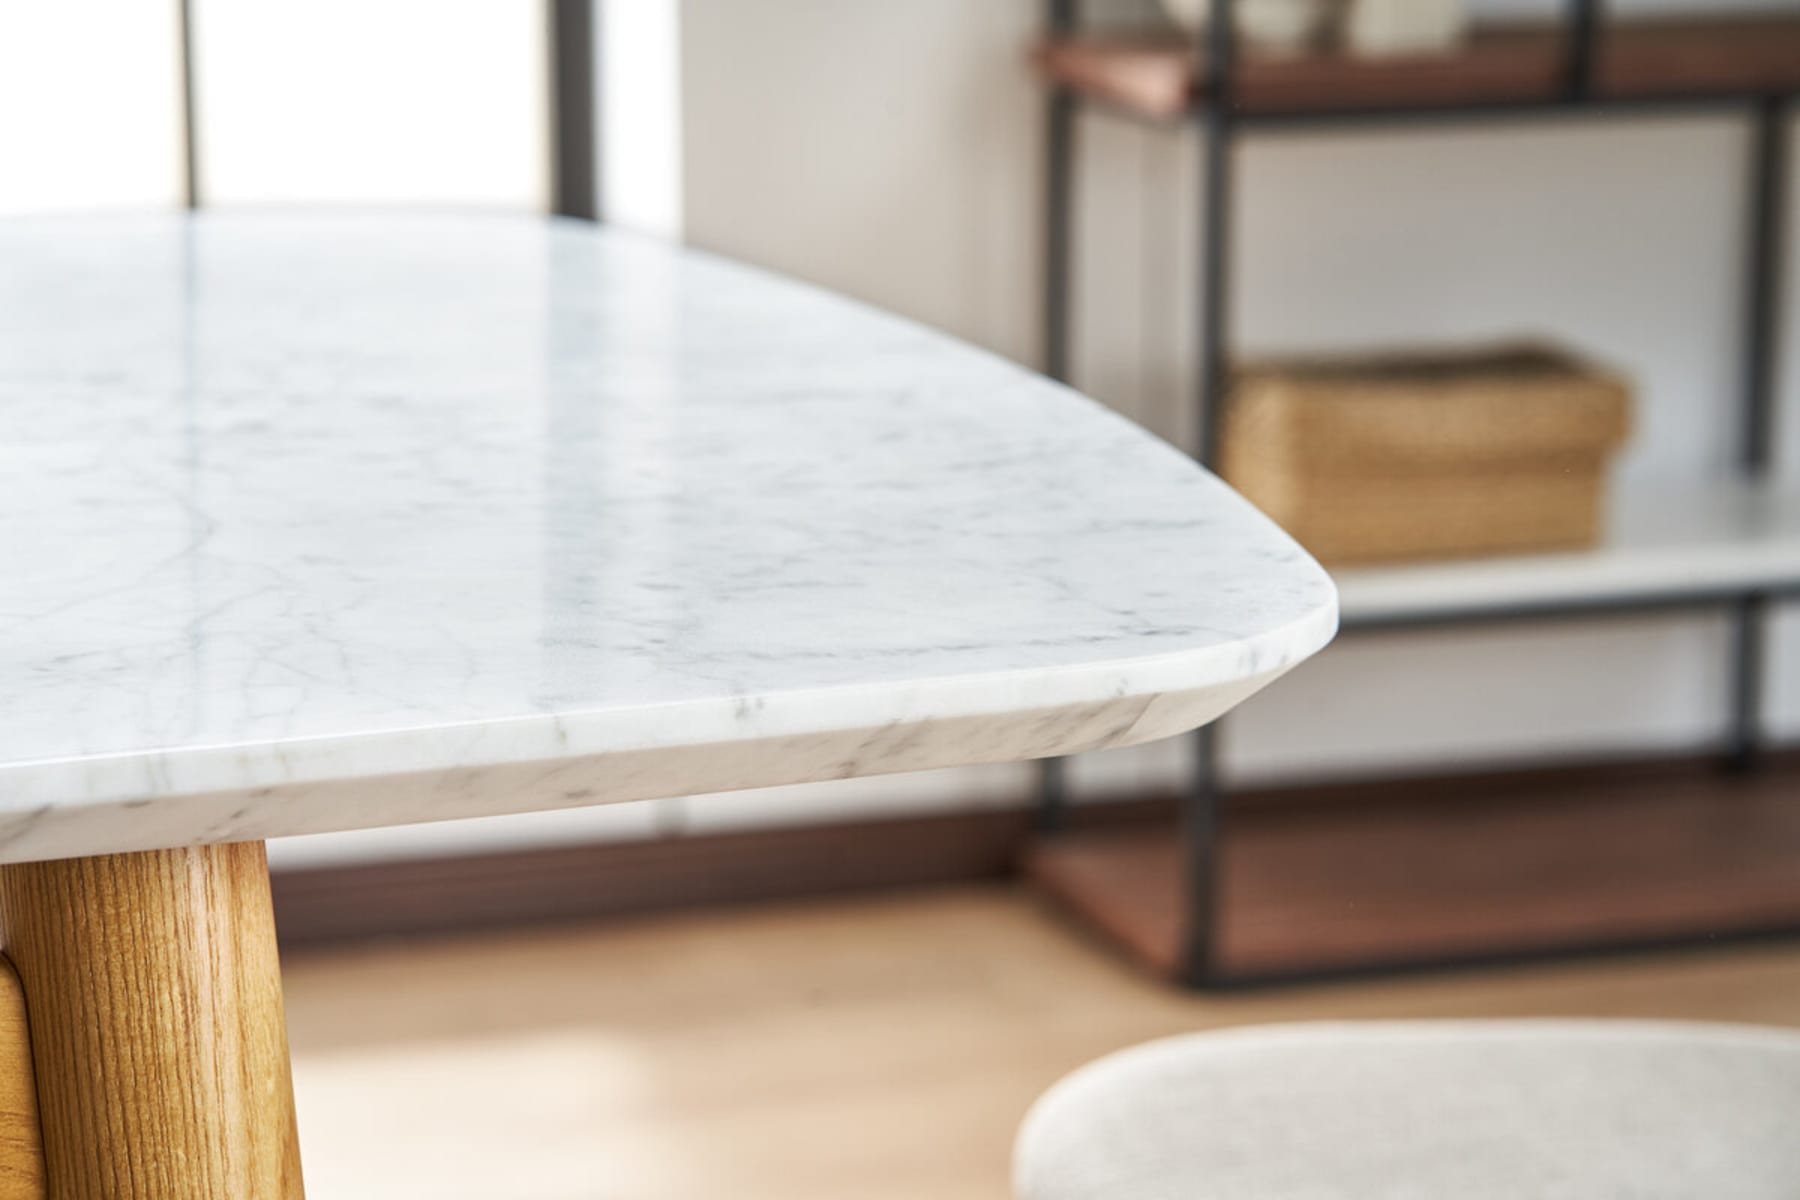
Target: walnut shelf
{"x":1498,"y":66}
{"x":1440,"y":872}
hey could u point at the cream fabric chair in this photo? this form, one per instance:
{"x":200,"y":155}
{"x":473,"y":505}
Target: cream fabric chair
{"x":1427,"y":1110}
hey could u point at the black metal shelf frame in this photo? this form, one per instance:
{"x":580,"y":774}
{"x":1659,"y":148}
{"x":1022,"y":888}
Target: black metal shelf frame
{"x":1219,"y":126}
{"x":574,"y":132}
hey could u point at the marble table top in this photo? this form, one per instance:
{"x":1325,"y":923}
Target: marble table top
{"x":333,"y":521}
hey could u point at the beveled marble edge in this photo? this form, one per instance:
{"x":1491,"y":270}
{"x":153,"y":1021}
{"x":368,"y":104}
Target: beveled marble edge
{"x":198,"y":796}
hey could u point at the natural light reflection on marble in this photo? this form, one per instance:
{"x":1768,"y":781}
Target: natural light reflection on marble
{"x":517,"y":515}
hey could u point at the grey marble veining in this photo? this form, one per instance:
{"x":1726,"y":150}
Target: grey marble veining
{"x":331,"y":521}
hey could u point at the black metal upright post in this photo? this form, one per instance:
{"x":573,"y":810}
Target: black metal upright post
{"x":1584,"y":30}
{"x":574,"y":178}
{"x":190,"y":121}
{"x":1748,"y":646}
{"x":1059,"y":163}
{"x":1059,"y":238}
{"x":1213,"y":369}
{"x":1764,"y":251}
{"x":1203,"y":816}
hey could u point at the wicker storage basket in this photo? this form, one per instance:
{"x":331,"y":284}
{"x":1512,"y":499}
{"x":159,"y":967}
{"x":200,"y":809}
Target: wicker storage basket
{"x":1427,"y":455}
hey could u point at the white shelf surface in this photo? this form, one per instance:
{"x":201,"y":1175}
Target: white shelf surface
{"x":1700,"y":540}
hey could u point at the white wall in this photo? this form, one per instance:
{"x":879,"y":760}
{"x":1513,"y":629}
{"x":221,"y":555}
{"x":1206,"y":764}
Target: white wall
{"x":885,"y":150}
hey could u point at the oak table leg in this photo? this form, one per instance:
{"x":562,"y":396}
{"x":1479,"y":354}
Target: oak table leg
{"x":21,"y":1136}
{"x":157,"y":1033}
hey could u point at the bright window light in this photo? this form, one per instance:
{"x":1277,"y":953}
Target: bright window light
{"x":90,"y":104}
{"x":372,"y":101}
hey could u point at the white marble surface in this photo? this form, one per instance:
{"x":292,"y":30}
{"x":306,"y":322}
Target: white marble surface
{"x":327,"y":522}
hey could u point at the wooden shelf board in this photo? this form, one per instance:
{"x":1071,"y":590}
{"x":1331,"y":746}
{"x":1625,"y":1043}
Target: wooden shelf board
{"x":1644,"y":856}
{"x":1161,"y":78}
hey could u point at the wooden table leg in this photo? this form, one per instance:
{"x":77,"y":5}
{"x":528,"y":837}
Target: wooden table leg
{"x":154,"y":1001}
{"x":21,"y":1133}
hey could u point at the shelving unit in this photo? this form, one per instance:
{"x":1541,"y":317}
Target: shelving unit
{"x":1269,"y":901}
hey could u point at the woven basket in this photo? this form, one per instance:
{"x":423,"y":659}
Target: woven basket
{"x":1427,"y":455}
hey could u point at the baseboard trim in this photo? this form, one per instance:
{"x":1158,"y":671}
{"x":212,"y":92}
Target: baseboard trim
{"x":317,"y":906}
{"x":322,"y":906}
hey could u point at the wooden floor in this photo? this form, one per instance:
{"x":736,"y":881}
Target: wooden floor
{"x":873,"y":1049}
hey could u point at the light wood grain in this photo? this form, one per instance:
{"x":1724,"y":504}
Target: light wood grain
{"x":156,"y":1024}
{"x":877,"y":1050}
{"x":21,"y":1142}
